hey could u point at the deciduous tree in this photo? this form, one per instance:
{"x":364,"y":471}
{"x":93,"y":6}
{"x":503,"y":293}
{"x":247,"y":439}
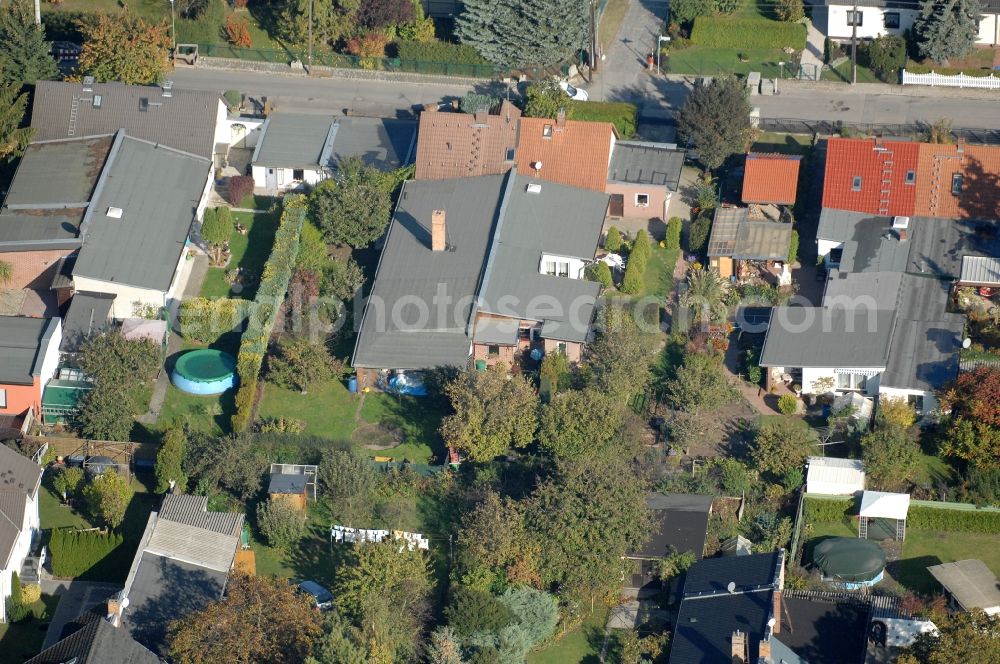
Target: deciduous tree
{"x":579,"y":422}
{"x":471,"y":610}
{"x":123,"y":48}
{"x":232,"y":463}
{"x":107,"y":412}
{"x":494,"y":413}
{"x":444,"y":647}
{"x":947,"y":29}
{"x":108,"y":496}
{"x":962,"y":638}
{"x":495,"y":545}
{"x":523,"y":32}
{"x":261,"y":619}
{"x":352,"y":208}
{"x":976,"y":395}
{"x":348,"y":483}
{"x":716,"y":118}
{"x":892,"y":458}
{"x":619,"y":358}
{"x":281,"y":524}
{"x":109,"y":358}
{"x":699,"y":384}
{"x":24,"y":53}
{"x":781,"y":443}
{"x":67,"y":481}
{"x":298,"y":364}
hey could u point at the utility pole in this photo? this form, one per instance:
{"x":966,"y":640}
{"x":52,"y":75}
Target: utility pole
{"x":311,"y":37}
{"x":38,"y":12}
{"x":854,"y":44}
{"x":173,"y":29}
{"x":593,"y":39}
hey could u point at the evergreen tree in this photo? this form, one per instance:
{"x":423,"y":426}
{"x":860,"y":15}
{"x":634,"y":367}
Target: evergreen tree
{"x":523,"y":32}
{"x":716,"y":118}
{"x":13,"y":137}
{"x":24,"y":53}
{"x":947,"y":29}
{"x":170,"y":460}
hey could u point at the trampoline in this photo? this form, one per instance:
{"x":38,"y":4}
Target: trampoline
{"x":204,"y":372}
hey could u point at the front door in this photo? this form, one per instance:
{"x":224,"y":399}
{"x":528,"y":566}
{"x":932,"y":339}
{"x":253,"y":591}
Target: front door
{"x":271,"y":181}
{"x":617,"y":206}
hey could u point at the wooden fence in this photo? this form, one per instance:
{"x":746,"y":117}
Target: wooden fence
{"x":988,"y":82}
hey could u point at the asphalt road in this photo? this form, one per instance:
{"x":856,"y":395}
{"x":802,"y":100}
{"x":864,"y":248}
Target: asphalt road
{"x":657,"y":97}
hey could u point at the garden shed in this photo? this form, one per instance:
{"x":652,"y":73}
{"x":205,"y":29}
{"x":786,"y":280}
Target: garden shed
{"x":970,"y":584}
{"x":834,"y":477}
{"x":848,"y":562}
{"x":883,"y":515}
{"x":292,"y":484}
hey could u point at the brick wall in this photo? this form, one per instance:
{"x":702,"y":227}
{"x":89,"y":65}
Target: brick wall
{"x":33,"y":269}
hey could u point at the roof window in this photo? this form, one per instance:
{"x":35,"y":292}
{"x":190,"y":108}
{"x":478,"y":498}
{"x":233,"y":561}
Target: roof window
{"x":911,"y":177}
{"x":547,"y":131}
{"x":956,"y":184}
{"x":97,"y":101}
{"x":856,"y":183}
{"x":115,"y":212}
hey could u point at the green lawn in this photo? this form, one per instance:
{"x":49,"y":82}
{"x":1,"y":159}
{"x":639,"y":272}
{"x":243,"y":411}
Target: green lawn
{"x":53,"y":514}
{"x":842,"y":73}
{"x":23,"y":640}
{"x":328,"y":411}
{"x":928,"y":547}
{"x":249,"y":252}
{"x":706,"y":61}
{"x":149,"y":10}
{"x":581,"y":646}
{"x":658,"y":280}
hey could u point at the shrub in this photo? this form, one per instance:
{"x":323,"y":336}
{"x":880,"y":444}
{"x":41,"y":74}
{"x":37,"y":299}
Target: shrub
{"x":299,"y":363}
{"x":233,"y":99}
{"x":17,"y":609}
{"x":886,"y":54}
{"x":686,"y":11}
{"x":238,"y":32}
{"x":641,"y":247}
{"x":280,"y":523}
{"x":613,"y":239}
{"x":205,"y":320}
{"x":217,"y":226}
{"x":793,"y":247}
{"x":674,"y":228}
{"x":67,"y":481}
{"x":471,"y":611}
{"x":789,"y":10}
{"x":632,"y":281}
{"x":827,"y":50}
{"x":240,"y":186}
{"x":601,"y":273}
{"x":698,"y":237}
{"x":746,"y":33}
{"x":788,"y":404}
{"x":728,"y":6}
{"x":31,"y":593}
{"x":622,"y":115}
{"x":964,"y":521}
{"x":473,"y":103}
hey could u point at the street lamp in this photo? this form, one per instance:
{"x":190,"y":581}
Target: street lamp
{"x":659,"y":40}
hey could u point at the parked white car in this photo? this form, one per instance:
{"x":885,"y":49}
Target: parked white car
{"x":576,"y":94}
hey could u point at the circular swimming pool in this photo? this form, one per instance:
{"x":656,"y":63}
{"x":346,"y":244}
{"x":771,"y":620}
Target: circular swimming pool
{"x":204,"y":371}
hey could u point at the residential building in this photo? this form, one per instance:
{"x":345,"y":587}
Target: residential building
{"x":454,"y":145}
{"x":642,"y":179}
{"x":570,"y":152}
{"x":479,"y":271}
{"x":299,"y":151}
{"x":92,"y":639}
{"x":183,"y":562}
{"x":88,"y":314}
{"x":190,"y":121}
{"x":19,"y":524}
{"x":120,"y":207}
{"x":874,"y":18}
{"x":680,"y":525}
{"x":29,"y":357}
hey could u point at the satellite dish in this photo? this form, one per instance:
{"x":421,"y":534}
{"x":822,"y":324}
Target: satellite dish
{"x":125,"y":603}
{"x":537,"y":165}
{"x":966,"y":342}
{"x":731,"y":587}
{"x":771,"y":622}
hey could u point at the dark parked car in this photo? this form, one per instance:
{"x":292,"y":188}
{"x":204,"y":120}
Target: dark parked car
{"x":321,"y":597}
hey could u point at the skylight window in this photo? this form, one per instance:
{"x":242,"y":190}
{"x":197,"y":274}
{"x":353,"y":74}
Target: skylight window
{"x":956,"y":184}
{"x":115,"y":212}
{"x":911,"y":177}
{"x":856,"y":183}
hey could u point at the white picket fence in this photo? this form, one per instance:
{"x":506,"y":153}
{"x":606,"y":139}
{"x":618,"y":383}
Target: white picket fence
{"x":989,"y":82}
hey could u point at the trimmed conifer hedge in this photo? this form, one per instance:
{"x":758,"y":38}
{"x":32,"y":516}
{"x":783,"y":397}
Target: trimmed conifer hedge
{"x":74,"y":552}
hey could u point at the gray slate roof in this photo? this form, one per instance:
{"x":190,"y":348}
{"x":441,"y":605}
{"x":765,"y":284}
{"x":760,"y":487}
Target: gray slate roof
{"x":88,"y":314}
{"x":874,"y":248}
{"x":321,"y":141}
{"x":19,"y":479}
{"x":158,"y":188}
{"x":640,"y":162}
{"x":836,"y":337}
{"x":937,"y":246}
{"x":409,"y":269}
{"x":184,"y":121}
{"x":163,"y":590}
{"x":91,"y":639}
{"x":878,"y":289}
{"x":496,"y":331}
{"x":22,"y":344}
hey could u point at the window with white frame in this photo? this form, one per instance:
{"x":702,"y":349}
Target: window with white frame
{"x":3,"y":398}
{"x":851,"y":381}
{"x":562,"y":269}
{"x":642,"y":200}
{"x":917,"y":401}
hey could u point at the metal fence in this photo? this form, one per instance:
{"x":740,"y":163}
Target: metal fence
{"x":840,"y":127}
{"x":347,"y":61}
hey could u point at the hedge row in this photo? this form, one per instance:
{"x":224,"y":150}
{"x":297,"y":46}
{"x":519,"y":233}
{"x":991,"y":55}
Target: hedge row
{"x":947,"y":71}
{"x":203,"y":319}
{"x":826,"y":510}
{"x":622,"y":115}
{"x":747,"y":33}
{"x":274,"y":282}
{"x":439,"y":51}
{"x":962,"y":521}
{"x":74,"y":553}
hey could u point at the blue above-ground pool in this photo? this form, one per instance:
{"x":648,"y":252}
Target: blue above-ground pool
{"x":205,"y":371}
{"x":408,"y":382}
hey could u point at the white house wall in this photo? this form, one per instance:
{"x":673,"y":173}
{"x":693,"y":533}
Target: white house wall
{"x":873,"y":23}
{"x":576,"y":266}
{"x":930,"y":401}
{"x":812,"y":377}
{"x":125,"y":296}
{"x":50,"y":359}
{"x":310,"y":178}
{"x":824,"y":247}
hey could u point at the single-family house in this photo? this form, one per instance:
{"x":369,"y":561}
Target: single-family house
{"x":837,"y":19}
{"x":29,"y":357}
{"x":20,"y":478}
{"x":642,"y":179}
{"x":91,"y":638}
{"x":183,"y":562}
{"x":294,"y":151}
{"x":743,"y":247}
{"x":570,"y":152}
{"x":680,"y":525}
{"x":481,"y":270}
{"x":455,"y":145}
{"x":770,"y":178}
{"x":190,"y":121}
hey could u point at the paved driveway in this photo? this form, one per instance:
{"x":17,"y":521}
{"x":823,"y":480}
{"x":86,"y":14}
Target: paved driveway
{"x":75,"y":598}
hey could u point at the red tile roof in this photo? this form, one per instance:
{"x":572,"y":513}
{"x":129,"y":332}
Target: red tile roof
{"x":771,"y":178}
{"x":882,"y":167}
{"x":979,"y":166}
{"x":576,"y":153}
{"x":452,"y":145}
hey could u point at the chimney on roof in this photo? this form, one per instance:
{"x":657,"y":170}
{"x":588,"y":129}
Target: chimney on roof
{"x":168,"y":89}
{"x":960,"y":146}
{"x":561,"y":118}
{"x":902,"y":227}
{"x":116,"y":604}
{"x":776,"y":612}
{"x":739,"y":648}
{"x":764,"y":650}
{"x":88,"y":83}
{"x":482,"y":116}
{"x":438,"y":233}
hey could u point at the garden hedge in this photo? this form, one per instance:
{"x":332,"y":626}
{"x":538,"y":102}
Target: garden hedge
{"x":263,"y":311}
{"x":74,"y":553}
{"x":947,"y":71}
{"x":964,"y":521}
{"x":827,"y":510}
{"x":746,"y":33}
{"x":440,"y":51}
{"x":203,"y":319}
